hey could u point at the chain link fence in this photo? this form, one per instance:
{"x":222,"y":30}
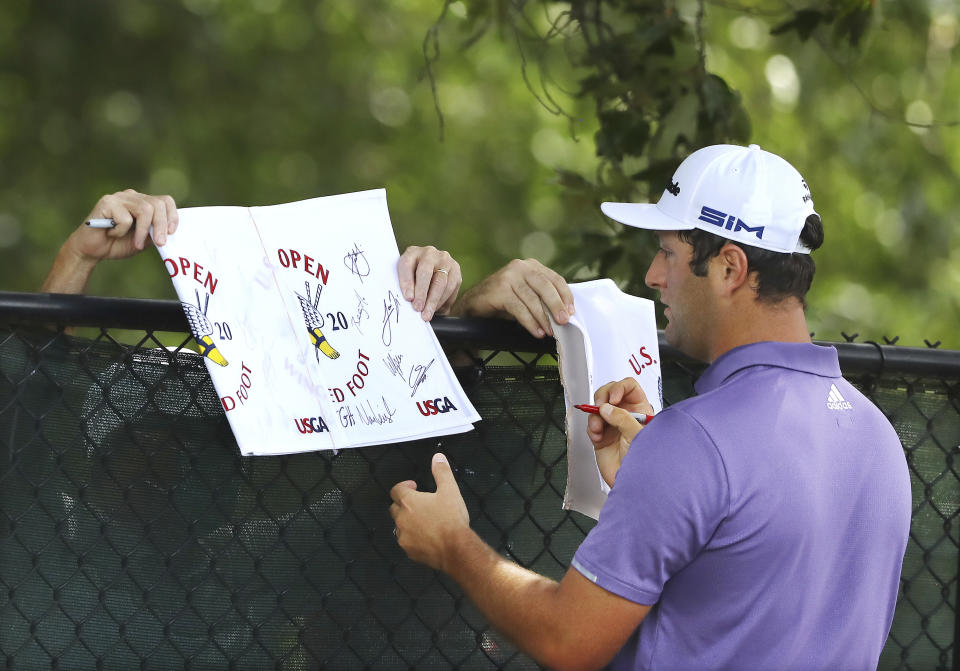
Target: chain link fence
{"x":134,"y":535}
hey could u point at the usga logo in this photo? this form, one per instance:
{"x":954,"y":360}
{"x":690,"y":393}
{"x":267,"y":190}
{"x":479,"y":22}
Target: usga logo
{"x":311,"y":425}
{"x":435,"y":407}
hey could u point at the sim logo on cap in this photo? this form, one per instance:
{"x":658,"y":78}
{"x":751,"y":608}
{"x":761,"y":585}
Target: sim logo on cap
{"x":728,"y":222}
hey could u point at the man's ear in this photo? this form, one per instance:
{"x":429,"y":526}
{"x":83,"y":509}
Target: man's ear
{"x":734,"y":268}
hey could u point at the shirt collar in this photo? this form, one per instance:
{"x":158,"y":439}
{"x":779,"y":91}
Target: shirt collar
{"x":804,"y":357}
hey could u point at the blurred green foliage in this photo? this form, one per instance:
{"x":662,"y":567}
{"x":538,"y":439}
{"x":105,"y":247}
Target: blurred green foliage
{"x":262,"y":102}
{"x":546,"y":108}
{"x":874,"y":129}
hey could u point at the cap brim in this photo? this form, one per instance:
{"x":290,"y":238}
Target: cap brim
{"x":644,"y":215}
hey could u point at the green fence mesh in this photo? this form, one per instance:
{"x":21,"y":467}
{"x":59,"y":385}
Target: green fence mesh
{"x":134,"y":535}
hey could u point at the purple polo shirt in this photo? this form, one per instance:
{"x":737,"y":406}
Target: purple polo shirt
{"x":766,"y":518}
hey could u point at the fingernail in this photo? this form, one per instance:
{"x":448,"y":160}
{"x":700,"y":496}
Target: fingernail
{"x":427,"y":315}
{"x":540,"y":333}
{"x":606,"y":410}
{"x":562,"y":316}
{"x":418,"y":306}
{"x":408,"y":295}
{"x":439,"y":458}
{"x":570,"y":308}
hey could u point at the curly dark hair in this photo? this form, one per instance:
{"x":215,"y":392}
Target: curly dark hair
{"x":779,"y":276}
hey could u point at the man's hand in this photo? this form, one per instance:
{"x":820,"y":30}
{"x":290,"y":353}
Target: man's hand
{"x":612,"y":431}
{"x":134,"y":213}
{"x":525,"y":290}
{"x":427,"y":523}
{"x":430,"y":279}
{"x":574,"y":624}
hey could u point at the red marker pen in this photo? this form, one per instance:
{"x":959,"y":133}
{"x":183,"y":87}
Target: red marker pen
{"x":594,"y":410}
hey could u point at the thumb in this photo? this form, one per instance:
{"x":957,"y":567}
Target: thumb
{"x":442,"y":473}
{"x":405,"y":274}
{"x":620,"y":419}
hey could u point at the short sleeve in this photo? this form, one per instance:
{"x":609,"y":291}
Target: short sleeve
{"x":669,"y":497}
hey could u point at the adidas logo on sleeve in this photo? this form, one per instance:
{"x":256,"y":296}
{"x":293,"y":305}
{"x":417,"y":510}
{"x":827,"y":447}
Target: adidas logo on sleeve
{"x":835,"y":400}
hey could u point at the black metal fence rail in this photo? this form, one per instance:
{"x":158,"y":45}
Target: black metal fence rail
{"x":160,"y":315}
{"x":134,"y":535}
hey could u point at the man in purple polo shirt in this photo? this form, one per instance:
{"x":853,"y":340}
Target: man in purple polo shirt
{"x":758,"y":525}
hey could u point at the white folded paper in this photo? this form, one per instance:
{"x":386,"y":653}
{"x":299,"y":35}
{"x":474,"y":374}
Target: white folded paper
{"x":611,"y":336}
{"x":310,"y":344}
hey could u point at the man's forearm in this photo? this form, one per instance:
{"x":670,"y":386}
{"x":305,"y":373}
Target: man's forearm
{"x":573,"y":624}
{"x":525,"y":606}
{"x":70,"y":273}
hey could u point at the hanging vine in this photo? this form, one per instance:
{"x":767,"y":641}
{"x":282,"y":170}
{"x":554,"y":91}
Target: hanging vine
{"x":655,"y":101}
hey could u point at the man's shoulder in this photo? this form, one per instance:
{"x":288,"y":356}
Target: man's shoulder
{"x":721,"y":399}
{"x":846,"y":396}
{"x":688,"y":419}
{"x":762,"y":396}
{"x":753,"y":395}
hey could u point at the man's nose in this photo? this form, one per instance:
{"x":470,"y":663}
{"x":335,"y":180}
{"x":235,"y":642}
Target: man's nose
{"x":654,"y":276}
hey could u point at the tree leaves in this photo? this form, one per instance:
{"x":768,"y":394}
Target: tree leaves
{"x":803,"y":22}
{"x":621,"y":132}
{"x":850,"y":18}
{"x":645,"y":70}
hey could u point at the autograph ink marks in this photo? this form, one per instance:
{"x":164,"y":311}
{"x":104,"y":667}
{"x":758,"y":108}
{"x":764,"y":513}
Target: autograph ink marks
{"x":356,"y":262}
{"x":418,"y":375}
{"x":314,"y":321}
{"x":346,"y":416}
{"x":202,"y":329}
{"x":362,"y":312}
{"x":367,"y":412}
{"x":391,"y":309}
{"x":392,"y":362}
{"x":370,"y":415}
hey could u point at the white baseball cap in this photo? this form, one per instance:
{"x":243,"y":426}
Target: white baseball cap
{"x":744,"y":194}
